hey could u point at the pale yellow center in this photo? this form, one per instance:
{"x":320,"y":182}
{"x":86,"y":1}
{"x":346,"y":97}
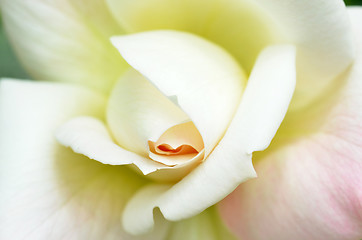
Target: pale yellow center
{"x":177,"y":145}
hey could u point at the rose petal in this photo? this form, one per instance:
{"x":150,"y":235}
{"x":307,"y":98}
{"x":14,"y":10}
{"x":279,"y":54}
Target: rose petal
{"x":138,"y":112}
{"x":319,"y":28}
{"x":311,"y":189}
{"x":47,"y":191}
{"x":176,"y":160}
{"x":181,"y":144}
{"x":90,"y":137}
{"x":321,"y":31}
{"x":207,"y":82}
{"x":262,"y":109}
{"x":65,"y":40}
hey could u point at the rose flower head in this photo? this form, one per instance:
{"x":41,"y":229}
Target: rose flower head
{"x":153,"y":120}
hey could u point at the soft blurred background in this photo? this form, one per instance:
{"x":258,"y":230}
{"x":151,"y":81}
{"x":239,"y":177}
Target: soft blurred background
{"x":353,"y":2}
{"x":10,"y":67}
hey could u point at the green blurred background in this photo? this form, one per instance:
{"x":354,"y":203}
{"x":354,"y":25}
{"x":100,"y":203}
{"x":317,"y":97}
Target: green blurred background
{"x":10,"y":67}
{"x":353,"y":2}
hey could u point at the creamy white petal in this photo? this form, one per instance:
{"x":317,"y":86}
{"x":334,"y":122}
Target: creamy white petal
{"x":138,"y":112}
{"x":262,"y":109}
{"x":320,"y":29}
{"x":322,"y":33}
{"x":265,"y":103}
{"x":90,"y":137}
{"x":138,"y":215}
{"x":65,"y":40}
{"x":177,"y":159}
{"x":206,"y":80}
{"x":46,"y":190}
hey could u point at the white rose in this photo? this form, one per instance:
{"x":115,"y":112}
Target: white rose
{"x":171,"y":104}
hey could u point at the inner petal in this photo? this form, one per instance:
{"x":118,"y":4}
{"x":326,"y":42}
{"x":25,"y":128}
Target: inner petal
{"x":137,"y":112}
{"x":168,"y":150}
{"x":179,"y":138}
{"x":179,"y":144}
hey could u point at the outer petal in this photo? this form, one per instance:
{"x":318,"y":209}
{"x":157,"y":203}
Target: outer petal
{"x":321,"y":31}
{"x":311,"y":189}
{"x":262,"y":109}
{"x":206,"y":81}
{"x":319,"y":28}
{"x":64,"y":40}
{"x":47,"y":191}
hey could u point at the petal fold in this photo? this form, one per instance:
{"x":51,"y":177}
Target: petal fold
{"x":269,"y":91}
{"x":89,"y":136}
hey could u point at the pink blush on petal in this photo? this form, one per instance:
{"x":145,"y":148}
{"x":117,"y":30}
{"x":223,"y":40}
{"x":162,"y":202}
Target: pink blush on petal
{"x":310,"y":190}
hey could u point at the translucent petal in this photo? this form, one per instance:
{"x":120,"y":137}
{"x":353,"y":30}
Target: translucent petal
{"x":138,"y":112}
